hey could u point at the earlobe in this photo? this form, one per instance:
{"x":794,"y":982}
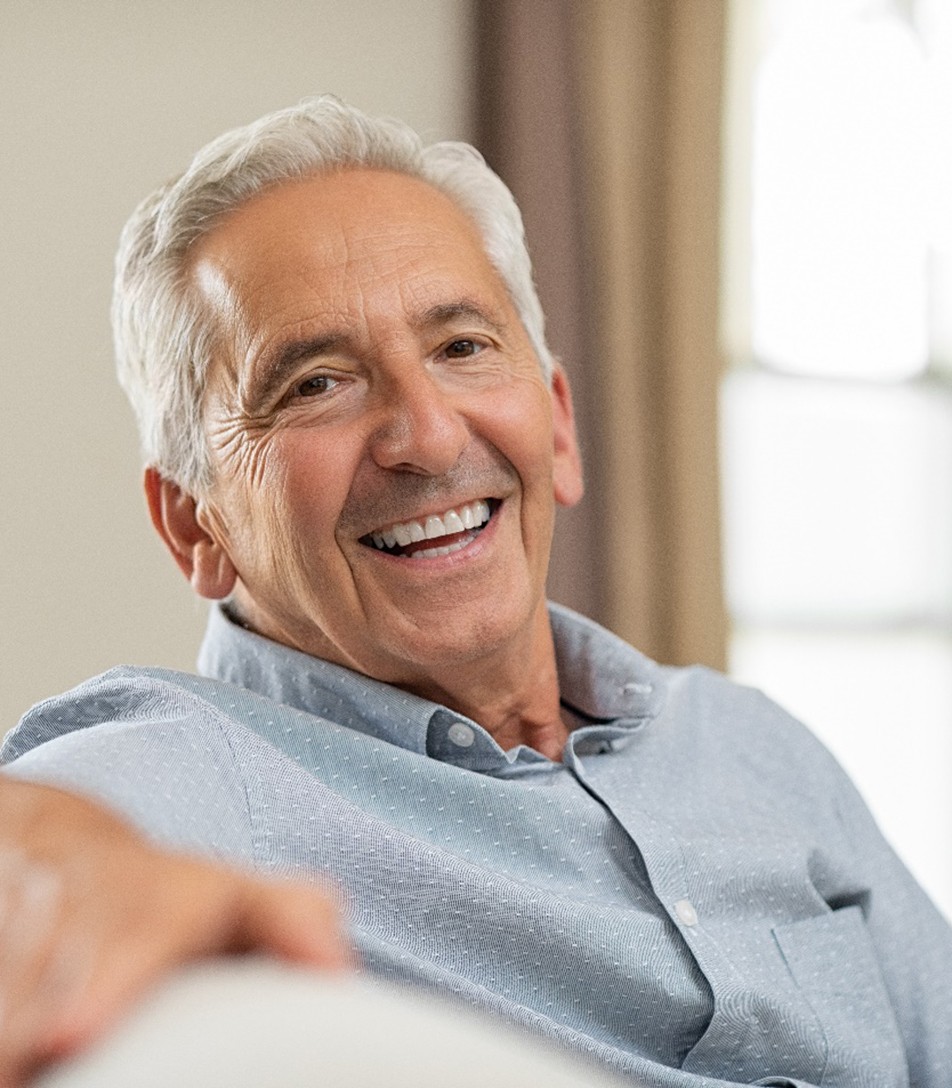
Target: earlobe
{"x":176,"y":517}
{"x":568,"y":486}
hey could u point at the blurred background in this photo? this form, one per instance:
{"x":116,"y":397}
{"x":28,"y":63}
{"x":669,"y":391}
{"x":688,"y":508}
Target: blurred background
{"x":741,"y":217}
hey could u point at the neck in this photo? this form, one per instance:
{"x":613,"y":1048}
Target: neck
{"x":512,"y":692}
{"x":513,"y":696}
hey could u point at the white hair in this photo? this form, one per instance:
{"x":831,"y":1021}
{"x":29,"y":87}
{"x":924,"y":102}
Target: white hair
{"x":164,"y":338}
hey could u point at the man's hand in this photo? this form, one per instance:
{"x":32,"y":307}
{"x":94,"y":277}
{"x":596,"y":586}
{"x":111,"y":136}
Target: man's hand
{"x":90,"y":915}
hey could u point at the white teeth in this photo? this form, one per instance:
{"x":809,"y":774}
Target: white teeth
{"x":429,"y":553}
{"x":434,"y":527}
{"x":470,"y":516}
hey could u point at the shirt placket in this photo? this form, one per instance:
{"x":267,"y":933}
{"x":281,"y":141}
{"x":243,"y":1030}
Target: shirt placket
{"x":733,"y":1028}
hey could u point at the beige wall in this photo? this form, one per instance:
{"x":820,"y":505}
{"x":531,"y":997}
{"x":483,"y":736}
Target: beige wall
{"x":100,"y":101}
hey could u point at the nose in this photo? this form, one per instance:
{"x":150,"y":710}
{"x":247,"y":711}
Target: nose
{"x":421,"y":428}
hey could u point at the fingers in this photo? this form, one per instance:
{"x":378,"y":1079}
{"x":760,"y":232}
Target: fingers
{"x":293,"y":922}
{"x":179,"y":910}
{"x":40,"y":971}
{"x":36,"y":973}
{"x":91,"y":916}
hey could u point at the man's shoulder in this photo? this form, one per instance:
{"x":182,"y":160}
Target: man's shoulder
{"x":740,"y":733}
{"x":151,"y":744}
{"x":129,"y":695}
{"x":696,"y":697}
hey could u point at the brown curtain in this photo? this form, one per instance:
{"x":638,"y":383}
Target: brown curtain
{"x":604,"y":118}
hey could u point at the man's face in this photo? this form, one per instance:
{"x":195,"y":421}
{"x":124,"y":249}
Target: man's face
{"x":373,"y":386}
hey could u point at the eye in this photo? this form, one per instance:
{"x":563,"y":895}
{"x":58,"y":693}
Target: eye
{"x":315,"y":385}
{"x":462,"y":349}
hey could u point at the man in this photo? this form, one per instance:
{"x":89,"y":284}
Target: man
{"x":355,"y":437}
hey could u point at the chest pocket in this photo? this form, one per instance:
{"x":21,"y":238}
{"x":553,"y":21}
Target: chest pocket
{"x":833,"y":963}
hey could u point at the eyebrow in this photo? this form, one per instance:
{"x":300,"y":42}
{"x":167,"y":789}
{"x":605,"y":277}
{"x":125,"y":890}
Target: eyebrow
{"x":445,"y":312}
{"x":275,"y":370}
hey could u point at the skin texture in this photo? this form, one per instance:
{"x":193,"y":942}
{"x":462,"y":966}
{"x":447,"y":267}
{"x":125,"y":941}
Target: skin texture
{"x":90,"y":915}
{"x":370,"y":370}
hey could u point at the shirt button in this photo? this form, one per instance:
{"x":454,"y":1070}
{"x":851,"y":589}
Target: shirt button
{"x":637,"y":689}
{"x":461,"y":735}
{"x":686,"y":913}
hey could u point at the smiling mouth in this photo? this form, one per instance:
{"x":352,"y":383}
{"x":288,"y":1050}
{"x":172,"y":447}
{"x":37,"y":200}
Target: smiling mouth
{"x":439,"y":534}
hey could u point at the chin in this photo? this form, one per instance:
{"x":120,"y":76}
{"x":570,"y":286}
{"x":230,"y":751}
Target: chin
{"x":468,"y":638}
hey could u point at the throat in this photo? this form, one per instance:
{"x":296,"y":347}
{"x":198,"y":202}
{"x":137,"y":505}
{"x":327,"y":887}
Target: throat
{"x":547,"y":738}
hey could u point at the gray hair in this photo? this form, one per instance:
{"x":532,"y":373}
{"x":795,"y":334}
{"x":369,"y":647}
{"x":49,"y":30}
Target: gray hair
{"x":164,"y":339}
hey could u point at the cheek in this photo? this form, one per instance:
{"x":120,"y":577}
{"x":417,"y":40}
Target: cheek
{"x":520,"y":426}
{"x":255,"y":499}
{"x":305,"y":488}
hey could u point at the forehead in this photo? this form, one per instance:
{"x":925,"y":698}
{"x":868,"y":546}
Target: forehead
{"x":340,"y":242}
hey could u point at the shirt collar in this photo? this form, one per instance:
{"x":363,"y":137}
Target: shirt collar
{"x":601,"y":677}
{"x":239,"y":656}
{"x":605,"y":684}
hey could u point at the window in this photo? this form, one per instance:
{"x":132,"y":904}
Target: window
{"x":837,"y":411}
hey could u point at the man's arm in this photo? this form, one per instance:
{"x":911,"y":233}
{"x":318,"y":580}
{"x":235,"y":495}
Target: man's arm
{"x":90,"y":915}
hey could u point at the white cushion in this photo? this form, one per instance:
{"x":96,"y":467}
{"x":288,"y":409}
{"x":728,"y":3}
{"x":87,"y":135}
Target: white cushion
{"x":251,"y":1023}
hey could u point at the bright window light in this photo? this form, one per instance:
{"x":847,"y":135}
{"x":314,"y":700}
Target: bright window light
{"x":840,"y":215}
{"x":837,"y":501}
{"x":836,"y":422}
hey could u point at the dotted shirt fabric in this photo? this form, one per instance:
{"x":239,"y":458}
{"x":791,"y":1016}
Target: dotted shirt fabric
{"x":695,"y":895}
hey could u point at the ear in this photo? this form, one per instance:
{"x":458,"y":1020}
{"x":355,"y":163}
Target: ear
{"x":176,"y":517}
{"x":567,"y":482}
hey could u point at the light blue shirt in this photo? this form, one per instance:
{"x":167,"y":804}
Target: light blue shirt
{"x":695,"y":895}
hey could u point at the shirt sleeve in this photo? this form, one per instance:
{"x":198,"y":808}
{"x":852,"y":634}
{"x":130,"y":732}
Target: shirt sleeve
{"x":154,"y":753}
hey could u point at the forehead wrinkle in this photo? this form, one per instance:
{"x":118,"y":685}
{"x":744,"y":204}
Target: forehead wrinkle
{"x":219,"y":274}
{"x":369,"y":254}
{"x":433,"y":298}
